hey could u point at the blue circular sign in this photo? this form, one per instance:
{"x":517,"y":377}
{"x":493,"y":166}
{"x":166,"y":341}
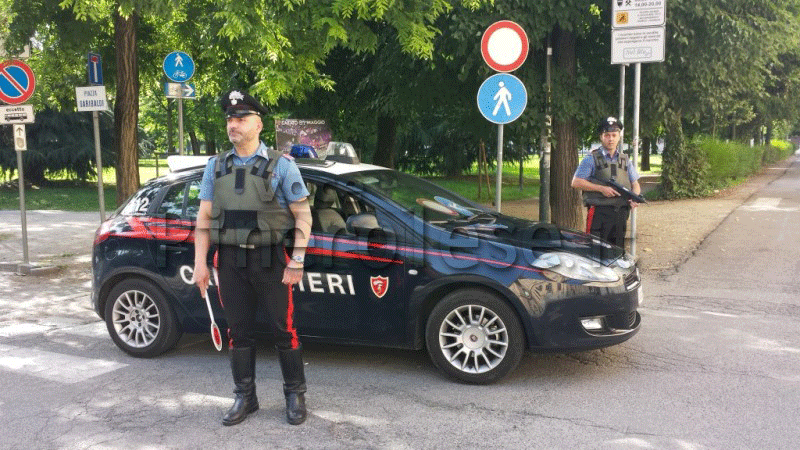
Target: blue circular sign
{"x":178,"y":67}
{"x":502,"y":98}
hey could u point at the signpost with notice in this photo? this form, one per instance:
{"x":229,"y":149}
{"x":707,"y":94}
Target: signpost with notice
{"x":179,"y":67}
{"x":17,"y":84}
{"x":638,"y":35}
{"x":93,"y":98}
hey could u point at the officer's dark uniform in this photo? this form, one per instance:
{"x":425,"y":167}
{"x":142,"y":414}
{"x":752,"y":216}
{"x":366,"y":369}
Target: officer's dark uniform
{"x":607,"y":217}
{"x":250,"y":226}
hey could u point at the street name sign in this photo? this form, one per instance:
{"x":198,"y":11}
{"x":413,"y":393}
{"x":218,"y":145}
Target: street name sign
{"x":91,"y":98}
{"x":178,"y":67}
{"x":638,"y":45}
{"x":504,"y":46}
{"x":638,"y":13}
{"x":16,"y":114}
{"x":502,"y":98}
{"x":17,"y":82}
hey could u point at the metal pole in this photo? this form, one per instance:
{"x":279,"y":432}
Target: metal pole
{"x":621,"y":115}
{"x":634,"y":155}
{"x":544,"y":162}
{"x":99,"y":159}
{"x":499,"y":181}
{"x":180,"y":121}
{"x":22,"y":212}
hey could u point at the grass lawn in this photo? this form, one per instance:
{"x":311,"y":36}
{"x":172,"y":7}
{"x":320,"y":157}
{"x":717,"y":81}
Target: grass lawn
{"x":72,"y":195}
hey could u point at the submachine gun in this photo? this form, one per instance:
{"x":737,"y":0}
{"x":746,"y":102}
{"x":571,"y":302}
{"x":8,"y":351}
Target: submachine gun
{"x":623,"y":191}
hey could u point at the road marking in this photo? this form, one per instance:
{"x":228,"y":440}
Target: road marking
{"x":349,"y":418}
{"x":52,"y":366}
{"x":766,"y":204}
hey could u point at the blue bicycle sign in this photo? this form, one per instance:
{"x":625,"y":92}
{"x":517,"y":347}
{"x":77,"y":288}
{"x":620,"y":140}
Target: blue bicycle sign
{"x":178,"y":67}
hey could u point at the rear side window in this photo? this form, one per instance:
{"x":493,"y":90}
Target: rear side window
{"x":139,"y":203}
{"x":181,"y":200}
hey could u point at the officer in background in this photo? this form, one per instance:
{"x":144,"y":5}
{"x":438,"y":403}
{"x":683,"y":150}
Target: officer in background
{"x":251,"y":200}
{"x":608,"y":211}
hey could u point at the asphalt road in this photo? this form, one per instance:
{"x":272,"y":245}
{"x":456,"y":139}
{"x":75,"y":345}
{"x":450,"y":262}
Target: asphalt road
{"x":716,"y":365}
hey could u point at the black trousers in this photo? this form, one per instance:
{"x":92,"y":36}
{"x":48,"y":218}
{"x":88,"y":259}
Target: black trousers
{"x":608,"y":223}
{"x":249,"y":279}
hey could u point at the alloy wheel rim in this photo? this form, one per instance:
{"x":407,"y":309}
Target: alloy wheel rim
{"x":136,"y":318}
{"x":473,"y":338}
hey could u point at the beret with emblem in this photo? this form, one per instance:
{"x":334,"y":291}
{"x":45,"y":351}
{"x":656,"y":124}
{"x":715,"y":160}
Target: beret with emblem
{"x":239,"y":104}
{"x":609,"y":124}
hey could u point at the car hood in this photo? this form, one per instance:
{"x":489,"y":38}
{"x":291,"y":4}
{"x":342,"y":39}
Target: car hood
{"x":538,"y":237}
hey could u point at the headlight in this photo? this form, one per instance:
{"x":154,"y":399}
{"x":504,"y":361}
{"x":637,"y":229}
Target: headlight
{"x":575,"y":267}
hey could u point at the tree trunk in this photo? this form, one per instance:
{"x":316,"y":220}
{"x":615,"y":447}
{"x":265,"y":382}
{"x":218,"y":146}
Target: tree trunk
{"x":565,"y":201}
{"x":647,"y":143}
{"x":385,"y":150}
{"x":195,"y":142}
{"x":126,"y":107}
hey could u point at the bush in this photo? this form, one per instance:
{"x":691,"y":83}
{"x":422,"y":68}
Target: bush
{"x":731,"y":161}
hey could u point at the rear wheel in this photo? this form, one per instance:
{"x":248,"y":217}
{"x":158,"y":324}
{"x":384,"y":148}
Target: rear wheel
{"x":139,"y":319}
{"x":474,"y":337}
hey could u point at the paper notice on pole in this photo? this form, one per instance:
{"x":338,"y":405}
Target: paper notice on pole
{"x":637,"y":45}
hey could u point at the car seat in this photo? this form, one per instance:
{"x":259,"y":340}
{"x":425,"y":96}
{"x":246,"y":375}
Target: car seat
{"x":326,"y":219}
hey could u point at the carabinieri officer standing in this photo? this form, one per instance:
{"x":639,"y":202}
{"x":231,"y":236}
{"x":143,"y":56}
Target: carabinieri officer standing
{"x":251,"y":200}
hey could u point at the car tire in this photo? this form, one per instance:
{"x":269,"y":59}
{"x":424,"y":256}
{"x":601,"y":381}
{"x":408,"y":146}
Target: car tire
{"x":139,"y":319}
{"x":474,"y":337}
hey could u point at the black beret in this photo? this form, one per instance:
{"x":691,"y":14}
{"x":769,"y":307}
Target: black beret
{"x":239,"y":104}
{"x":609,"y":124}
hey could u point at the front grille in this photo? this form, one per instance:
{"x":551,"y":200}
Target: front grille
{"x":623,"y":321}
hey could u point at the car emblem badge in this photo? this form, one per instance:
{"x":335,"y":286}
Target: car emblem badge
{"x":379,"y":285}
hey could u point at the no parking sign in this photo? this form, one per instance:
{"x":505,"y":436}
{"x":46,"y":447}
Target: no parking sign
{"x":17,"y":82}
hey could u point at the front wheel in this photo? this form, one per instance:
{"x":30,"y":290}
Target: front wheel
{"x":139,"y":319}
{"x":474,"y":337}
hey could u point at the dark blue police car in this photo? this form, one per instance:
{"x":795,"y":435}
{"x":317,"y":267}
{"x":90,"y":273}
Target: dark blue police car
{"x":393,"y":261}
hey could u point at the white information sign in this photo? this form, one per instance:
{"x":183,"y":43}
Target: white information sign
{"x":20,"y":138}
{"x":91,"y":98}
{"x":637,"y":45}
{"x":638,"y":13}
{"x":10,"y":114}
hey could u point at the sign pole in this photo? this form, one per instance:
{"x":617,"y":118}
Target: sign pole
{"x":180,"y":121}
{"x":499,"y":181}
{"x":99,"y":160}
{"x":634,"y":155}
{"x":22,"y":212}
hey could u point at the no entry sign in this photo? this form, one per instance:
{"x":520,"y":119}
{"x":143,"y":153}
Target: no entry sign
{"x":504,"y":46}
{"x":16,"y":82}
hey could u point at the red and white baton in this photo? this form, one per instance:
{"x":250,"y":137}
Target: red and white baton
{"x":216,"y":336}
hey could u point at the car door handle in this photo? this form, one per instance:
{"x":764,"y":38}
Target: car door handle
{"x":161,"y":257}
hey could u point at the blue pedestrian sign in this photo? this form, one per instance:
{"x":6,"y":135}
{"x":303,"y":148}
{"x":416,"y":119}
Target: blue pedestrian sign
{"x":94,"y":68}
{"x":502,"y":98}
{"x":178,"y":67}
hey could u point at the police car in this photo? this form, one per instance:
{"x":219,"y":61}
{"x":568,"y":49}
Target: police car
{"x":393,"y":261}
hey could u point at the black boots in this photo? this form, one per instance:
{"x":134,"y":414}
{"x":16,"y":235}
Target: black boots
{"x":294,"y":384}
{"x":243,"y":367}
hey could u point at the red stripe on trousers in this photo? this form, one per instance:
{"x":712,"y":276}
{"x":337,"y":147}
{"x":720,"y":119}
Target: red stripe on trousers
{"x":290,"y":313}
{"x":589,"y":217}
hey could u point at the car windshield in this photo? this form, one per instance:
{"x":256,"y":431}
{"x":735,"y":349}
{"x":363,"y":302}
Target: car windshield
{"x":421,"y":197}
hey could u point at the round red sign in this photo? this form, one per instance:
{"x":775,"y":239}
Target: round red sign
{"x":504,"y":46}
{"x":16,"y":82}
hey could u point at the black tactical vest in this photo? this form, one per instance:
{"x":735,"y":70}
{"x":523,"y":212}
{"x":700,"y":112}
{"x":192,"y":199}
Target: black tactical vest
{"x":245,"y":209}
{"x":604,"y":171}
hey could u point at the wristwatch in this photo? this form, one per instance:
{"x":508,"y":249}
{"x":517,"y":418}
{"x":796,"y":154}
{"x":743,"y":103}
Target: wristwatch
{"x":298,"y":259}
